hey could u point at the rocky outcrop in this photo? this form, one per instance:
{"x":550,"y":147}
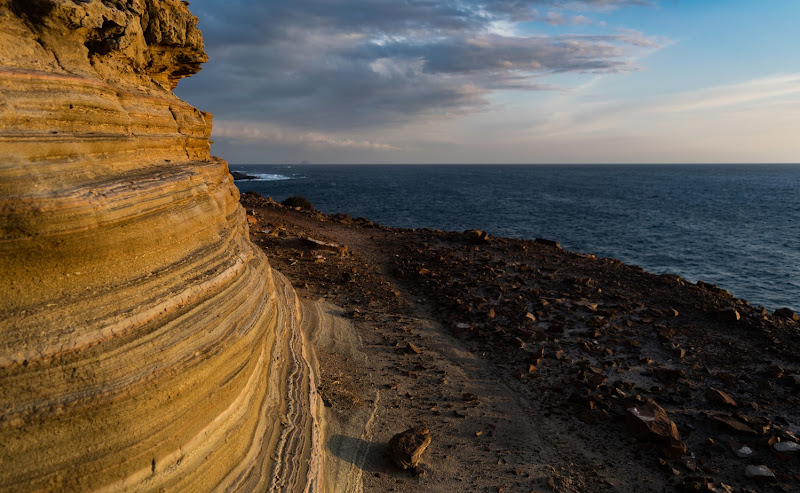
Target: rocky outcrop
{"x":145,"y":344}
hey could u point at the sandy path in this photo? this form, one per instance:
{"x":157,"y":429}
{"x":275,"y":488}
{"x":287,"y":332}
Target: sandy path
{"x":500,"y":442}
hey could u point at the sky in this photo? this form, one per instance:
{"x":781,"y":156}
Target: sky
{"x":500,"y":81}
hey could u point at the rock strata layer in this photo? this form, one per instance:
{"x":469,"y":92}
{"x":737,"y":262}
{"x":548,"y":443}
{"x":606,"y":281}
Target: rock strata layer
{"x":145,"y":344}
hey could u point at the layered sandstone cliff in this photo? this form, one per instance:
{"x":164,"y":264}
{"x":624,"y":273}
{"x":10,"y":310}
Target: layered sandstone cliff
{"x":145,"y":344}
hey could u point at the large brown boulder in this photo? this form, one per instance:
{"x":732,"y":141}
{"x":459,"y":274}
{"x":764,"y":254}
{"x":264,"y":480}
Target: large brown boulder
{"x":649,"y":422}
{"x":406,"y":448}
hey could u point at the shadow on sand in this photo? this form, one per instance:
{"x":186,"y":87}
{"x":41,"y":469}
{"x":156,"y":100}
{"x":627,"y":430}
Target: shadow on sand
{"x":367,"y":456}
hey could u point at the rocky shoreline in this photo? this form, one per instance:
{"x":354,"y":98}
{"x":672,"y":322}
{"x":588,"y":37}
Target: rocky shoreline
{"x":539,"y":369}
{"x":237,"y":175}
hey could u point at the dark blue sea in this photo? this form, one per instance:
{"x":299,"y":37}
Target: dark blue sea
{"x":737,"y":226}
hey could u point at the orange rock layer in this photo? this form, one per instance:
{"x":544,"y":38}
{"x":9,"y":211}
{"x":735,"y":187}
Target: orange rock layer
{"x":145,"y":343}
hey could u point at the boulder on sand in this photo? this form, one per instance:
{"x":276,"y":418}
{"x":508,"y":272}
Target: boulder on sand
{"x":406,"y":448}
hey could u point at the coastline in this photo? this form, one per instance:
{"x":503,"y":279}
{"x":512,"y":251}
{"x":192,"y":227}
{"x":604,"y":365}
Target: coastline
{"x":149,"y":345}
{"x":531,"y":356}
{"x":723,"y":226}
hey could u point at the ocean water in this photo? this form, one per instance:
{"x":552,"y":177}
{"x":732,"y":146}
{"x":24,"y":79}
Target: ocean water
{"x":737,"y":226}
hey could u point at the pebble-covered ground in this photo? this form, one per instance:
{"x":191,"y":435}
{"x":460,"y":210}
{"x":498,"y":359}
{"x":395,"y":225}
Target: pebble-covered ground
{"x":538,"y":369}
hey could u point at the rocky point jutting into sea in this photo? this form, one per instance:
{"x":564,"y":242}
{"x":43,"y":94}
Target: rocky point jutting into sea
{"x":145,"y":343}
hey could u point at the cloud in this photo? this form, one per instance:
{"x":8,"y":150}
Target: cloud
{"x":586,"y":5}
{"x":721,"y":97}
{"x":332,"y":66}
{"x":580,"y":19}
{"x":750,"y":121}
{"x":266,"y":133}
{"x":558,"y":18}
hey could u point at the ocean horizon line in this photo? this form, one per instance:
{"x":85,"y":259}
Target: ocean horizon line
{"x":522,"y":164}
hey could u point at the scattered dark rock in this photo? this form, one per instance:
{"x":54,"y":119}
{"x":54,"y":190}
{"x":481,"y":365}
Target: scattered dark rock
{"x":696,"y":483}
{"x":740,"y":449}
{"x":298,"y":201}
{"x":787,"y":313}
{"x":713,"y":288}
{"x":650,"y":422}
{"x":760,"y":473}
{"x":786,"y":447}
{"x":550,"y":243}
{"x":237,"y":175}
{"x":775,"y":371}
{"x":412,"y":349}
{"x":759,"y":424}
{"x":476,"y":236}
{"x":669,"y":375}
{"x":727,"y":315}
{"x":406,"y":448}
{"x":665,"y":334}
{"x":343,"y":218}
{"x":312,"y":244}
{"x":731,"y":424}
{"x":719,"y":397}
{"x":596,"y":381}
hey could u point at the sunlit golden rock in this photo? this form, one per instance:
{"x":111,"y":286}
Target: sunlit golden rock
{"x":145,"y":344}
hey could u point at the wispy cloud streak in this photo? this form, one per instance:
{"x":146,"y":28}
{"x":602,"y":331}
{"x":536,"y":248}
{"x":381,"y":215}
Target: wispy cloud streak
{"x":267,"y":133}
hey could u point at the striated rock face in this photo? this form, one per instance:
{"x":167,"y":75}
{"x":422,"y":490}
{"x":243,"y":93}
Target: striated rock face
{"x":145,"y":344}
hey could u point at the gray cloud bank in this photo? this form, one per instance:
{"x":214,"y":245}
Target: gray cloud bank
{"x":342,"y":65}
